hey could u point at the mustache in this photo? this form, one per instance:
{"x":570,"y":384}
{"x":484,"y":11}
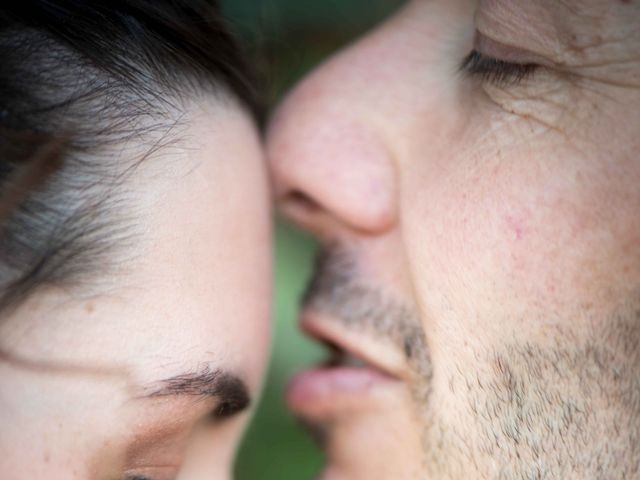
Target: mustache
{"x":336,"y":288}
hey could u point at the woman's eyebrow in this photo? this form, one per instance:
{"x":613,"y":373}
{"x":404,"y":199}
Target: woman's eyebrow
{"x":230,"y":391}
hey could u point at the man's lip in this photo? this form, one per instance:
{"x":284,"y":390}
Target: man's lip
{"x":331,"y":390}
{"x":378,"y":356}
{"x":323,"y":392}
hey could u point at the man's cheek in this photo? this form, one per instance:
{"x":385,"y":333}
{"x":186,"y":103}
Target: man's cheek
{"x":515,"y":233}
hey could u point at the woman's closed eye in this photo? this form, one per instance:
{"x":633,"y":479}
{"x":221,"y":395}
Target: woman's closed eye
{"x":153,"y":474}
{"x":496,"y":71}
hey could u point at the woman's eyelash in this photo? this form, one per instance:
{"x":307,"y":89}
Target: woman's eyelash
{"x":496,"y":71}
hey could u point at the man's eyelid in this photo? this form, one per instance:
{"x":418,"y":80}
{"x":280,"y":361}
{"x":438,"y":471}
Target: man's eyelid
{"x":500,"y":51}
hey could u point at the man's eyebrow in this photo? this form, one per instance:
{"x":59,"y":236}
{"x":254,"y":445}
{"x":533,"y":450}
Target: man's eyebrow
{"x":230,"y":391}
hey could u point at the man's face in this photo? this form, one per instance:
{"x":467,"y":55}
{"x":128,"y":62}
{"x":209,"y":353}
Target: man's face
{"x":472,"y":170}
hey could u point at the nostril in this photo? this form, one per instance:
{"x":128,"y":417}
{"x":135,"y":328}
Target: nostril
{"x":301,"y":200}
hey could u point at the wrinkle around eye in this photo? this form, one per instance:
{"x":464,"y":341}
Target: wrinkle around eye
{"x":527,"y":115}
{"x":548,"y":92}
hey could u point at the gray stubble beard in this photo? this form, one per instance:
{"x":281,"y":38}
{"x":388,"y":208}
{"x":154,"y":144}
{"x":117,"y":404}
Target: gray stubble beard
{"x":570,"y":409}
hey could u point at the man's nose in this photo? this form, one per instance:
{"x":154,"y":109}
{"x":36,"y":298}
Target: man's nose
{"x":331,"y":167}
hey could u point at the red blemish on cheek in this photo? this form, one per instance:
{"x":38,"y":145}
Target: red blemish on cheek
{"x":517,"y":262}
{"x":551,"y":287}
{"x":516,"y":226}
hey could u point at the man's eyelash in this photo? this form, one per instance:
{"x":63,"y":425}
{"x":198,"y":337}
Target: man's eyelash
{"x":496,"y":71}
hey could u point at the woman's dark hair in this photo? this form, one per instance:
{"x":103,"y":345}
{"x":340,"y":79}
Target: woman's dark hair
{"x":79,"y":79}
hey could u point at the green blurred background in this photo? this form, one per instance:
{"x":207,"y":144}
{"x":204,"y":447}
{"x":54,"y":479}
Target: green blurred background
{"x":286,"y":38}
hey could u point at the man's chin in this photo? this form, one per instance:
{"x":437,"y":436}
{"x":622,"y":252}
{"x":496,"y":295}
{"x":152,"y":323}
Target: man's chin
{"x":370,"y":432}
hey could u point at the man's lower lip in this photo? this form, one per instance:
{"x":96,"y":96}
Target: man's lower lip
{"x":323,"y":390}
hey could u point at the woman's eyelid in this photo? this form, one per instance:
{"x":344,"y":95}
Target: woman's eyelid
{"x":159,"y":475}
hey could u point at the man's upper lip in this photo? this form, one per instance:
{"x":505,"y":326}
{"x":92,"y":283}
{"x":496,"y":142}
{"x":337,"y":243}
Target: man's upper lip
{"x":373,"y":352}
